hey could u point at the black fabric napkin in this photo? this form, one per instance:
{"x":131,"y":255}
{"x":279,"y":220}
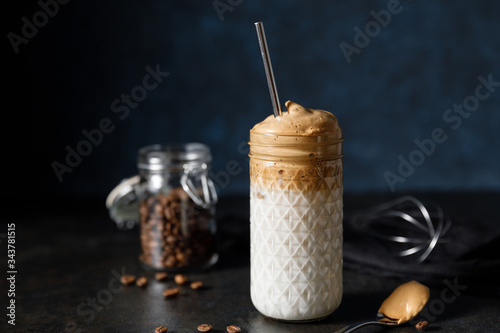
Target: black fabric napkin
{"x":468,"y":254}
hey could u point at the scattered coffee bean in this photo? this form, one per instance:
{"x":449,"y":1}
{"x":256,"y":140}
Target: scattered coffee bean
{"x":422,"y":325}
{"x":181,"y":279}
{"x":205,"y":328}
{"x":161,"y":329}
{"x":233,"y":329}
{"x":142,"y":281}
{"x":161,"y":276}
{"x":171,"y":292}
{"x":127,"y":279}
{"x":196,"y":285}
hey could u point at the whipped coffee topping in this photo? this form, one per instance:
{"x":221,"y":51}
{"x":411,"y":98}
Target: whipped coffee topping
{"x":296,"y":145}
{"x":298,"y":133}
{"x":298,"y":120}
{"x":405,"y":302}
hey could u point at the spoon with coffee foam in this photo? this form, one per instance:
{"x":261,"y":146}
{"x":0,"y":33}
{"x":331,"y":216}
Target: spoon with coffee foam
{"x":402,"y":305}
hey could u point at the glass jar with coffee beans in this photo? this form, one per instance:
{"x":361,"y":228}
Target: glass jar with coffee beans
{"x":173,"y":201}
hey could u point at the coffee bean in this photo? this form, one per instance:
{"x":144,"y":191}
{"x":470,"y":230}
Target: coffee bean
{"x":127,"y":279}
{"x":181,"y":257}
{"x":158,"y":210}
{"x":233,"y":329}
{"x":205,"y":328}
{"x":161,"y":329}
{"x":171,"y":239}
{"x":142,"y":281}
{"x":422,"y":325}
{"x":181,"y":279}
{"x":169,"y":213}
{"x":161,"y":276}
{"x":196,"y":285}
{"x":170,"y":261}
{"x":171,"y":292}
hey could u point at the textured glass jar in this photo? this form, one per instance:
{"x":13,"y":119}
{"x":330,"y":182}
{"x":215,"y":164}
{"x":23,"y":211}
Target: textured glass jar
{"x":296,"y":225}
{"x":174,"y":201}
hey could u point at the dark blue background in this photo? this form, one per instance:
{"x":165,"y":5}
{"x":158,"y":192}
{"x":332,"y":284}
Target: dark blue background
{"x":396,"y":90}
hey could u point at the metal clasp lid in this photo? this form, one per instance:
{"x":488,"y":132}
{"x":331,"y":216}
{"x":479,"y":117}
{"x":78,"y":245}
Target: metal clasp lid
{"x":208,"y":195}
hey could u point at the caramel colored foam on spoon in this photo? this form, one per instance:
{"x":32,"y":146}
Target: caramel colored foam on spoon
{"x":405,"y":302}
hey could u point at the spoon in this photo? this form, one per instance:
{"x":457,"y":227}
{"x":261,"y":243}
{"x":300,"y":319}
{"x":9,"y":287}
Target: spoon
{"x":382,"y":321}
{"x":402,"y":305}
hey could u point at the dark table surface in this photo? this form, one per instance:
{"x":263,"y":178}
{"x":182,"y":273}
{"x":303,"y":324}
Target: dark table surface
{"x":69,"y":256}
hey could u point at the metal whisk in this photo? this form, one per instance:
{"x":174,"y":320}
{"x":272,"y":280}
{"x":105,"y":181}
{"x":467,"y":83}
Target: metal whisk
{"x":405,"y":223}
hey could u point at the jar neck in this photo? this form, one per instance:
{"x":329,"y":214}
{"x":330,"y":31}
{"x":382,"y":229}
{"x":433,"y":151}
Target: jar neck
{"x":326,"y":146}
{"x":174,"y":158}
{"x":176,"y":171}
